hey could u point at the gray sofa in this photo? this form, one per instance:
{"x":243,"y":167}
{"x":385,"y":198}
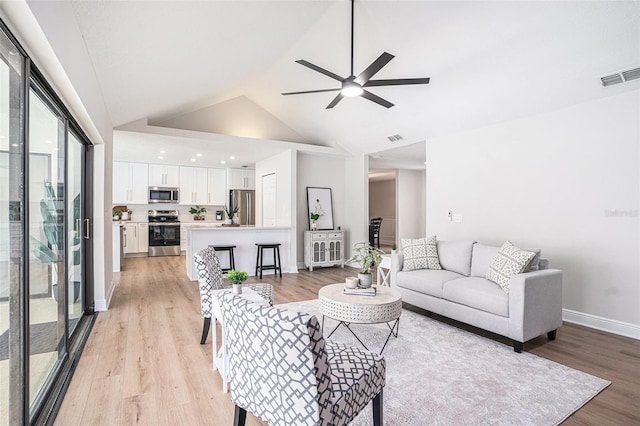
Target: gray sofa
{"x":460,"y":291}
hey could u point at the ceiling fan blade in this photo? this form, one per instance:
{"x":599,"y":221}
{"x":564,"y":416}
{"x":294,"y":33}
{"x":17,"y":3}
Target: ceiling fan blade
{"x":310,"y":91}
{"x":320,"y":70}
{"x":376,"y":99}
{"x":374,"y":68}
{"x":335,"y":101}
{"x":396,"y":82}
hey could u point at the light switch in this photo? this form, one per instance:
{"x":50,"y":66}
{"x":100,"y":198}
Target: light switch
{"x":457,"y":218}
{"x":450,"y":215}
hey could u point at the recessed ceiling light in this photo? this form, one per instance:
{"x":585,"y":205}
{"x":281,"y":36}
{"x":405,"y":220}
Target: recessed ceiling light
{"x":48,"y":141}
{"x":193,"y":159}
{"x":160,"y":157}
{"x":198,"y":155}
{"x":14,"y":144}
{"x":223,"y":162}
{"x":162,"y":151}
{"x":2,"y":136}
{"x":232,"y":157}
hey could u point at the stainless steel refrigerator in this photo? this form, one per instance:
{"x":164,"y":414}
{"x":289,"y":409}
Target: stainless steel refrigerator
{"x":245,"y":201}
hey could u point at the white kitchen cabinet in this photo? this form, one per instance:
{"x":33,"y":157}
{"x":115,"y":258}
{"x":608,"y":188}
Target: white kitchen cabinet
{"x":143,"y":238}
{"x":164,"y":175}
{"x":130,"y":183}
{"x":130,"y":242}
{"x":241,"y":179}
{"x":323,"y":248}
{"x":216,"y":187}
{"x":193,"y":185}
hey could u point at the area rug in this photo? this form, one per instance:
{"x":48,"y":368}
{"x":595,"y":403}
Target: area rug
{"x":43,"y":338}
{"x":438,"y":374}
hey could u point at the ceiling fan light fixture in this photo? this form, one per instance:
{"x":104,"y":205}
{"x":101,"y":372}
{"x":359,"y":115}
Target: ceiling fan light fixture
{"x":351,"y":88}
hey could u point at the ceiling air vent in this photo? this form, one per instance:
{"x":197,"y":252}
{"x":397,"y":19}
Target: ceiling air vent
{"x":610,"y":80}
{"x":631,"y":74}
{"x":621,"y":77}
{"x":395,"y":138}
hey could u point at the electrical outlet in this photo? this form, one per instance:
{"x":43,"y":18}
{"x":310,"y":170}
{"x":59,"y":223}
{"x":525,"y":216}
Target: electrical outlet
{"x":450,"y":215}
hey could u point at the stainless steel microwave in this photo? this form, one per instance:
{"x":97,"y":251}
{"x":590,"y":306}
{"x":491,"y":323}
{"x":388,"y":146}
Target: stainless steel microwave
{"x":163,"y":195}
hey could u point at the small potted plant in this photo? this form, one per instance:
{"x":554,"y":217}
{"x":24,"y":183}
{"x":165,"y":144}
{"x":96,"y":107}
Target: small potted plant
{"x":237,"y":278}
{"x":314,"y":217}
{"x":197,"y":212}
{"x":368,"y":257}
{"x":393,"y":249}
{"x":117,"y":215}
{"x":231,"y":213}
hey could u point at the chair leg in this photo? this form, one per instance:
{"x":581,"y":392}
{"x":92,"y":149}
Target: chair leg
{"x":552,"y":334}
{"x":240,"y":416}
{"x":377,"y":410}
{"x":257,"y":261}
{"x":205,"y":330}
{"x":279,"y":263}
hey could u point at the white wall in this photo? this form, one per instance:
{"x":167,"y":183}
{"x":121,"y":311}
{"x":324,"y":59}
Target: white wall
{"x":325,"y":172}
{"x":566,"y":181}
{"x":356,"y":200}
{"x":410,"y":190}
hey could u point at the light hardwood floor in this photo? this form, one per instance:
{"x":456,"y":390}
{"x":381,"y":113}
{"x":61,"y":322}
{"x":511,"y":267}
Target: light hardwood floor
{"x":143,"y":363}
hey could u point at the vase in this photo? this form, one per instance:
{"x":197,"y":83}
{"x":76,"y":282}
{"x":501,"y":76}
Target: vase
{"x":314,"y":225}
{"x":365,"y":279}
{"x":227,"y":221}
{"x":237,"y":288}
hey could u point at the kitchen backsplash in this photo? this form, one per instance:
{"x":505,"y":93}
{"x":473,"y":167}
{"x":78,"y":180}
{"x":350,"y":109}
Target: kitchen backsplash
{"x":140,"y":213}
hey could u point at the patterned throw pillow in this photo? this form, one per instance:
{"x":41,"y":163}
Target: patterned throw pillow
{"x":510,"y":260}
{"x":421,"y":253}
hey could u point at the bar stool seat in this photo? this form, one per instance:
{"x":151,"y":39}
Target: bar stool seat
{"x":277,"y":265}
{"x":229,"y":249}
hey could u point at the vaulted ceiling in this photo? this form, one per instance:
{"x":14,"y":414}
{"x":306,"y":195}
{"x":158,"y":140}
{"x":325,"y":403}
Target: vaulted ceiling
{"x":488,"y":61}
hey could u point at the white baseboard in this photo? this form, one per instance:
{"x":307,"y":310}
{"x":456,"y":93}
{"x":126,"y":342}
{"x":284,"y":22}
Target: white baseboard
{"x":103,"y":304}
{"x":600,"y":323}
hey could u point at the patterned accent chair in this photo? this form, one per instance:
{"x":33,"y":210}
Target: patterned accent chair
{"x":210,"y":278}
{"x":283,"y":371}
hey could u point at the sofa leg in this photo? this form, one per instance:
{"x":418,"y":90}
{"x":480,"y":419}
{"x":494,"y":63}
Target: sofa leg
{"x":239,"y":417}
{"x":517,"y":346}
{"x":377,"y":410}
{"x":205,"y":330}
{"x":552,"y":334}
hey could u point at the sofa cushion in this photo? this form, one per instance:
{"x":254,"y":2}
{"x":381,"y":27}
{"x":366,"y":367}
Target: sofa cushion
{"x":479,"y":293}
{"x":427,"y":281}
{"x":481,"y":259}
{"x":456,"y":256}
{"x":420,"y":253}
{"x":510,"y":260}
{"x":484,"y":255}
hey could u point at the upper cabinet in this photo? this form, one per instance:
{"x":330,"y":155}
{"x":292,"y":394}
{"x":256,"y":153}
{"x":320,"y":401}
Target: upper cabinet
{"x":217,"y":187}
{"x":194,"y":185}
{"x":130,"y":183}
{"x":163,"y":175}
{"x":241,"y":179}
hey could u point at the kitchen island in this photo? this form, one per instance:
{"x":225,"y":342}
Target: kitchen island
{"x":245,"y":239}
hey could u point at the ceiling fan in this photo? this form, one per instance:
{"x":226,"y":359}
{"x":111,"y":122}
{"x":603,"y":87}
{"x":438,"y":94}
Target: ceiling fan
{"x":354,"y":86}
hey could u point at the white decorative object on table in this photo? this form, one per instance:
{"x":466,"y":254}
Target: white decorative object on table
{"x":351,"y":282}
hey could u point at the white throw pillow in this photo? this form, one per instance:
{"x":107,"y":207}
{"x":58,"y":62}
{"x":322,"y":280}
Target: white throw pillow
{"x":420,"y":253}
{"x":510,"y":260}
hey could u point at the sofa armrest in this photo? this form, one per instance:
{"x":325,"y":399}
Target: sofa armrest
{"x":397,"y":260}
{"x":535,"y":303}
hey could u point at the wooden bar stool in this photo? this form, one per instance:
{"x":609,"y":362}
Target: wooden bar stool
{"x":277,"y":265}
{"x":229,"y":249}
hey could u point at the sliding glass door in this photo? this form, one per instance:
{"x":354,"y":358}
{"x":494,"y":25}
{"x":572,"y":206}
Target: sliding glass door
{"x":45,"y":293}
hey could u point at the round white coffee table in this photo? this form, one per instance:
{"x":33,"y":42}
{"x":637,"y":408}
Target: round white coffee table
{"x":384,"y":307}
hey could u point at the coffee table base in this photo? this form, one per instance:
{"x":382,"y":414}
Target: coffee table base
{"x":393,"y":331}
